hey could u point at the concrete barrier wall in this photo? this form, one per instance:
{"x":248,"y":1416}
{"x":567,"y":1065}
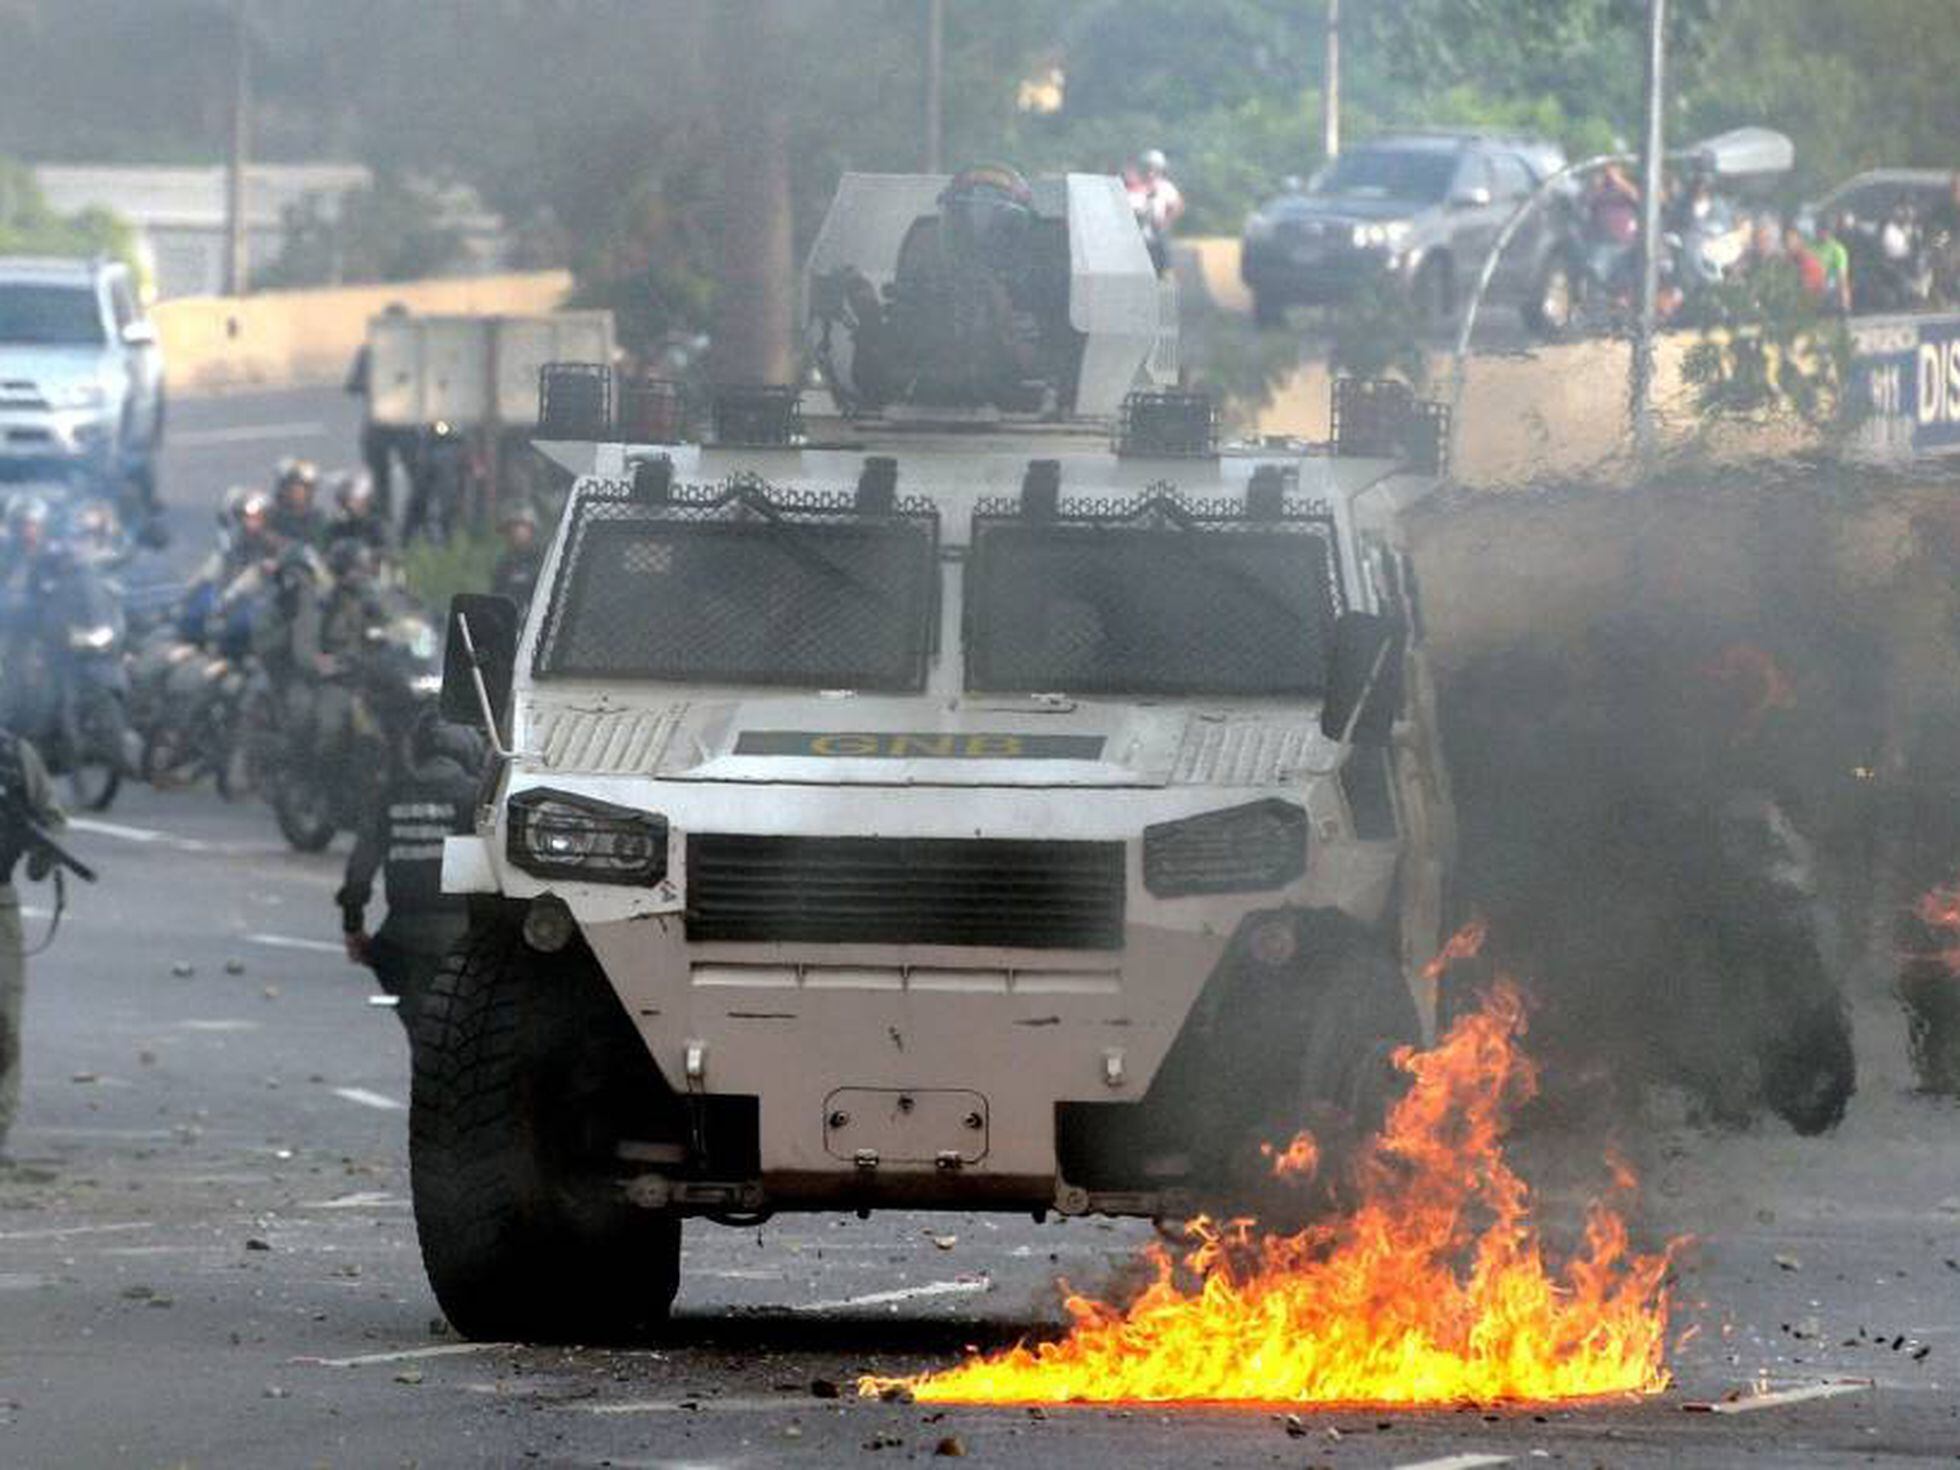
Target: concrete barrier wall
{"x":1557,"y":412}
{"x":1552,"y":411}
{"x":288,"y":338}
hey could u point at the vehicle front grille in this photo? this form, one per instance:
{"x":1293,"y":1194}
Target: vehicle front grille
{"x":907,"y":890}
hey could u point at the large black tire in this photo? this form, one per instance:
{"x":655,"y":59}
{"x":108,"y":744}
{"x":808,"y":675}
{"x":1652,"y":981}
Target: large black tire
{"x":97,"y":771}
{"x":1268,"y":309}
{"x":1775,"y":934}
{"x":521,"y":1082}
{"x":1275,"y":1048}
{"x":236,"y":772}
{"x":304,"y":812}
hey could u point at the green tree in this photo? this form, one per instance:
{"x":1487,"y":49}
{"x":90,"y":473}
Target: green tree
{"x":393,"y":231}
{"x":29,"y":227}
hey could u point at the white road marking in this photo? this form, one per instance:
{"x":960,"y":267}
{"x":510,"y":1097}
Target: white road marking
{"x":289,"y":941}
{"x":1456,"y":1462}
{"x":246,"y":434}
{"x":1778,"y":1398}
{"x":150,"y":837}
{"x":222,"y":1024}
{"x":406,"y":1355}
{"x":966,"y":1286}
{"x":369,"y":1099}
{"x":116,"y":829}
{"x":63,"y":1232}
{"x":369,"y":1199}
{"x":734,"y":1403}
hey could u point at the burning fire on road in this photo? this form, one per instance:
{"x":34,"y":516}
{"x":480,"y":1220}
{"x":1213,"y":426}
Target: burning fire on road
{"x":1939,"y":910}
{"x":1433,"y":1288}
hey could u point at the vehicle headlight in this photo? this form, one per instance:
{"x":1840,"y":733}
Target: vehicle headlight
{"x":426,"y":686}
{"x":1242,"y":849}
{"x":554,"y":834}
{"x":1388,"y":236}
{"x":83,"y":394}
{"x":92,"y":640}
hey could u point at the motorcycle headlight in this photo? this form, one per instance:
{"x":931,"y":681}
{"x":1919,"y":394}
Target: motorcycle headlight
{"x":83,"y":394}
{"x":554,"y":834}
{"x":92,"y":640}
{"x":1242,"y":849}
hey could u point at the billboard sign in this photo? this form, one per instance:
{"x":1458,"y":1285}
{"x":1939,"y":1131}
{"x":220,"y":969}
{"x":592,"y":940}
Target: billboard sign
{"x":1908,"y":371}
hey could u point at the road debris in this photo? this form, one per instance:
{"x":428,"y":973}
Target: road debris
{"x":1744,"y":1401}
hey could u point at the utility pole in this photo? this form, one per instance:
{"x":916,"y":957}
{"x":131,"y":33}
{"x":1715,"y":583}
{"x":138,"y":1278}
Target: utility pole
{"x":935,"y":87}
{"x":1642,"y":384}
{"x":1330,"y":85}
{"x":236,"y":264}
{"x":753,"y":337}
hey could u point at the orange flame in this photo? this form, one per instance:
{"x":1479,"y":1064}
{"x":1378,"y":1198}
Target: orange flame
{"x":1434,"y":1290}
{"x":1466,"y":944}
{"x":1939,"y":909}
{"x":1299,"y":1160}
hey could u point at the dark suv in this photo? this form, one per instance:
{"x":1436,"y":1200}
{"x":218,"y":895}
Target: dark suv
{"x":1419,"y":210}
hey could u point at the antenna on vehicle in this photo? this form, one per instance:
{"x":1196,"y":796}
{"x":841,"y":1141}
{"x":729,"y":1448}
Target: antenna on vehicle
{"x":484,"y":707}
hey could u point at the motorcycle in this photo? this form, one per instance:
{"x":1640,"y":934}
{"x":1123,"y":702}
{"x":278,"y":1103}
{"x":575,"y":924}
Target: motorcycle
{"x":70,"y":696}
{"x":317,"y":792}
{"x":1586,"y":286}
{"x":1591,"y":288}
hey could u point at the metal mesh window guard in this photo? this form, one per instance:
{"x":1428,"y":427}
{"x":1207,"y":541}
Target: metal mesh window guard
{"x":1157,"y":600}
{"x":744,"y":586}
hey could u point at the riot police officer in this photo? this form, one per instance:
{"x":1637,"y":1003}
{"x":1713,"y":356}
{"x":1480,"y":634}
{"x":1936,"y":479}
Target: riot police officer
{"x":294,"y":514}
{"x":357,"y":516}
{"x":516,"y":573}
{"x":24,"y":797}
{"x":430,"y":794}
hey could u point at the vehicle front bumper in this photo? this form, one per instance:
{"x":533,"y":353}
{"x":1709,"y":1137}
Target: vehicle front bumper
{"x":1314,"y":270}
{"x":834,"y":1038}
{"x":36,"y":439}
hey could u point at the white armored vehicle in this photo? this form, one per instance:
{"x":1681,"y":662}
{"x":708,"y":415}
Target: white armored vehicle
{"x":995,"y":796}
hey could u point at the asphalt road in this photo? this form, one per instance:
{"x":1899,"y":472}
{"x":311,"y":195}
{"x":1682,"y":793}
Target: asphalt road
{"x":207,"y":1257}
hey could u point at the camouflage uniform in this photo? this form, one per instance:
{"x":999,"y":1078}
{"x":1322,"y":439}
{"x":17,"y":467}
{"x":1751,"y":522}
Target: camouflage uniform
{"x":22,"y":773}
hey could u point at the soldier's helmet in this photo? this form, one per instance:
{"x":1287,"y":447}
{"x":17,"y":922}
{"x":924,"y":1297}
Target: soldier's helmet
{"x":353,"y":492}
{"x":26,"y":509}
{"x":295,"y":474}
